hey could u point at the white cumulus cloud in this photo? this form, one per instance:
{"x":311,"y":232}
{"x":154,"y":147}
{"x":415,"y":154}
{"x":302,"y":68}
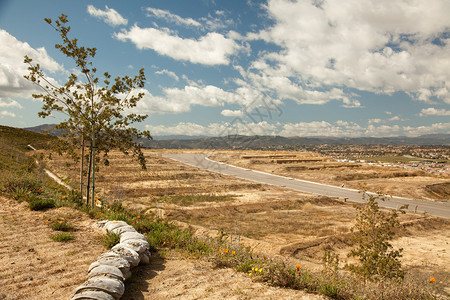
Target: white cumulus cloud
{"x":168,"y":73}
{"x":10,"y":103}
{"x":109,"y":16}
{"x":214,"y":129}
{"x":210,"y":49}
{"x":431,"y":111}
{"x":231,"y":113}
{"x":302,"y":129}
{"x":170,"y":17}
{"x":430,"y":129}
{"x":380,"y":46}
{"x":12,"y":67}
{"x":5,"y":113}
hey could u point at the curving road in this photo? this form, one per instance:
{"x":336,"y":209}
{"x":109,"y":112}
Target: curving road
{"x":438,"y":209}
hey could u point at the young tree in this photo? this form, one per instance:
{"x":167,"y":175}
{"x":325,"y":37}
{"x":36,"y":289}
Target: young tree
{"x":95,"y":114}
{"x":374,"y":229}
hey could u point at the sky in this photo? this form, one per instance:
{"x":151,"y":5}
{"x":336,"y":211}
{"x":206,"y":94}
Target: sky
{"x":217,"y":67}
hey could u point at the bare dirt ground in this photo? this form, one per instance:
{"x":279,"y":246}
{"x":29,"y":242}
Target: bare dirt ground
{"x":32,"y":265}
{"x":177,"y":277}
{"x":271,"y":220}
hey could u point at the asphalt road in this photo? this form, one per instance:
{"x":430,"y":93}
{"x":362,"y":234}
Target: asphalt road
{"x":438,"y":209}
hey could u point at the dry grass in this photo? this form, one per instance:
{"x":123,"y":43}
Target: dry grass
{"x":271,"y":219}
{"x":388,"y":180}
{"x":32,"y":265}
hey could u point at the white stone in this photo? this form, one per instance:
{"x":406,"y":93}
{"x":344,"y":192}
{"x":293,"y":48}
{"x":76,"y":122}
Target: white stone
{"x":145,"y":257}
{"x":114,"y":224}
{"x":97,"y":295}
{"x":106,"y":270}
{"x":129,"y":254}
{"x":132,"y":236}
{"x":100,"y":224}
{"x":139,"y":246}
{"x":127,"y":274}
{"x":114,"y":287}
{"x":122,"y":229}
{"x":119,"y":262}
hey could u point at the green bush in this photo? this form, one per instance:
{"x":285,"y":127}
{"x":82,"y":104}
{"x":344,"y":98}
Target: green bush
{"x":41,"y":204}
{"x":373,"y":231}
{"x":62,"y":226}
{"x":62,"y":237}
{"x":110,"y":240}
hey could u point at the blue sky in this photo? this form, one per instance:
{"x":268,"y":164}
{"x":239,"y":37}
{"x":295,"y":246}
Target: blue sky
{"x":276,"y":67}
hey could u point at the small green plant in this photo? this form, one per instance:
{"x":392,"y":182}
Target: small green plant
{"x":62,"y":237}
{"x":41,"y":204}
{"x":62,"y":226}
{"x":110,"y":240}
{"x":330,"y":263}
{"x":373,"y":230}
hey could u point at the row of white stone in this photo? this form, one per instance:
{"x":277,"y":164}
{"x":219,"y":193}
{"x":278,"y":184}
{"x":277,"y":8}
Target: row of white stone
{"x":106,"y":276}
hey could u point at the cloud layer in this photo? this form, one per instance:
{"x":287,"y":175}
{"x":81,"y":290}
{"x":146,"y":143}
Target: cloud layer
{"x":109,"y":15}
{"x":307,"y":129}
{"x":380,"y":46}
{"x":12,"y":67}
{"x":210,"y":49}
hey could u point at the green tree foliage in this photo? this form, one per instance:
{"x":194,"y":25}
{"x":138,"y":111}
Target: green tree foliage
{"x":374,"y":229}
{"x":95,"y":113}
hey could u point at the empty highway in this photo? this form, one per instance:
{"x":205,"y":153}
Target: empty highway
{"x":439,"y":209}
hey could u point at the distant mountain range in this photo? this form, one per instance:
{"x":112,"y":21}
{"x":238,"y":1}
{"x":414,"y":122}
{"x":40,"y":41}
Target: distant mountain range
{"x":265,"y":142}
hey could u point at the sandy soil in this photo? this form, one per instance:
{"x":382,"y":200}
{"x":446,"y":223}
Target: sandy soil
{"x":270,"y":219}
{"x":32,"y":266}
{"x":175,"y":277}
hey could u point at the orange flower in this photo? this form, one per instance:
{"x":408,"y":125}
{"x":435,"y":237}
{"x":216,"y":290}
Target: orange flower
{"x":432,"y":280}
{"x":46,"y":223}
{"x":60,"y":222}
{"x":265,"y":257}
{"x":297,"y":267}
{"x":226,"y":251}
{"x":233,"y":252}
{"x":164,"y":243}
{"x":64,"y":197}
{"x":138,"y":217}
{"x":132,"y":223}
{"x":220,"y":251}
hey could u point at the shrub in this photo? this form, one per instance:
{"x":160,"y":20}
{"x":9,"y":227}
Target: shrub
{"x":373,"y":231}
{"x":62,"y":226}
{"x":13,"y":182}
{"x":41,"y":204}
{"x":62,"y":237}
{"x":110,"y":240}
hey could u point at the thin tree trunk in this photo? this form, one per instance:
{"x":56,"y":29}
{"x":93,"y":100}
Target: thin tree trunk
{"x":82,"y":165}
{"x":93,"y":168}
{"x":89,"y":177}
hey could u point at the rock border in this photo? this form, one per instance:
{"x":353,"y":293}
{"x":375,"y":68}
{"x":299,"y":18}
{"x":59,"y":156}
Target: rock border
{"x":106,"y":276}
